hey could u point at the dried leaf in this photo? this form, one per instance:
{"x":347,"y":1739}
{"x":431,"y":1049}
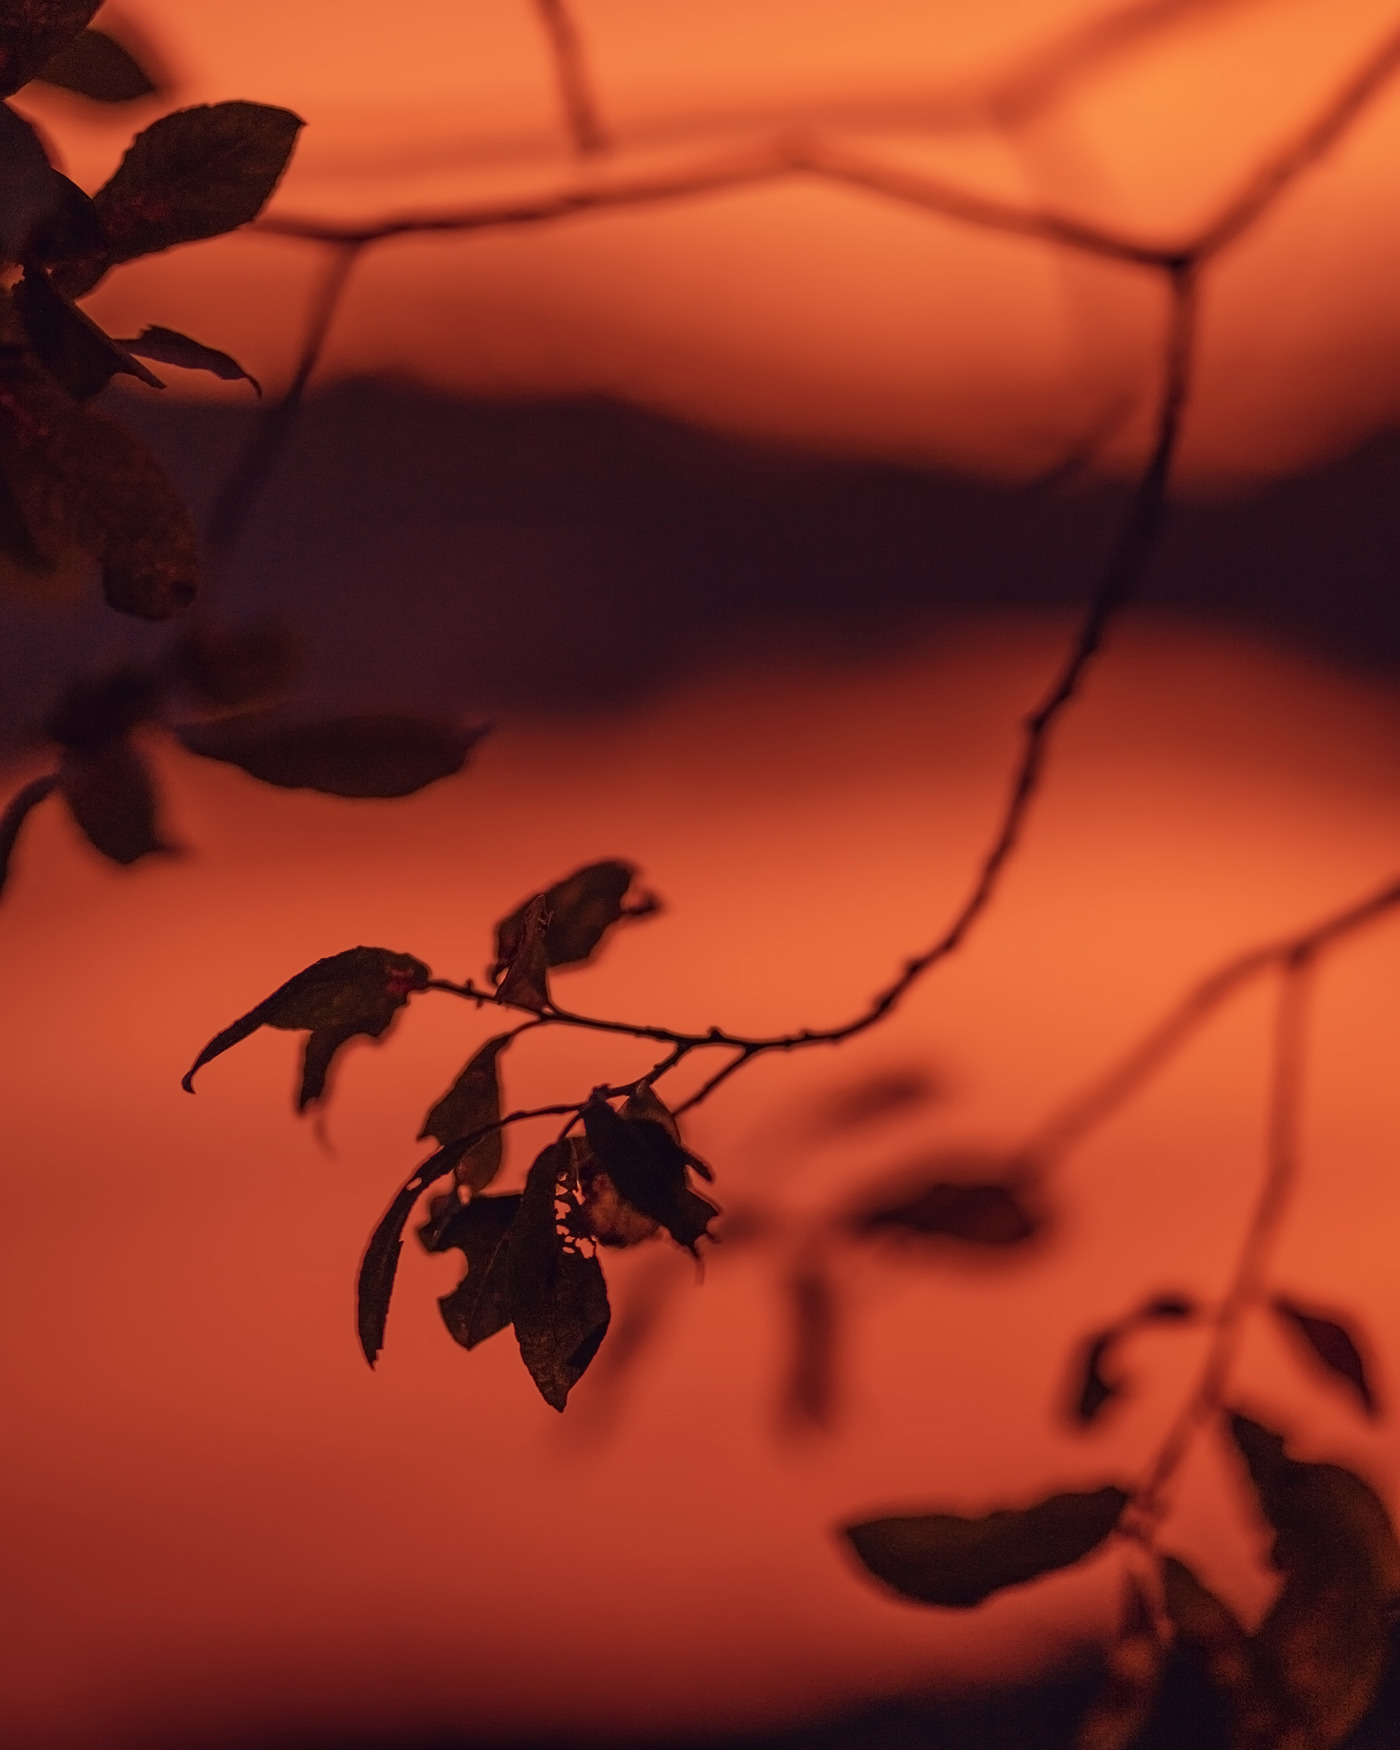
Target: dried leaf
{"x":1132,"y":1674}
{"x":17,"y":811}
{"x":69,"y":344}
{"x":524,"y":976}
{"x":604,"y":1214}
{"x":100,"y":710}
{"x":477,"y":1229}
{"x":239,"y":665}
{"x":169,"y":347}
{"x":382,"y":755}
{"x":810,"y":1396}
{"x":195,"y":173}
{"x":471,"y":1104}
{"x":112,"y":797}
{"x":985,"y":1214}
{"x":96,"y":66}
{"x":359,"y":988}
{"x":322,"y":1046}
{"x":648,"y":1167}
{"x":579,"y":911}
{"x":1329,"y":1342}
{"x":375,"y":1285}
{"x":942,"y":1558}
{"x":33,"y":33}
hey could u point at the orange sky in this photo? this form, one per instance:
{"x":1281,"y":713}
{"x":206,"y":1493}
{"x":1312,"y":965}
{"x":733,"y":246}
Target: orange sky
{"x":802,"y":311}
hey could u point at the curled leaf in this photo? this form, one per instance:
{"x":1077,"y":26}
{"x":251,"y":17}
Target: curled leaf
{"x":1329,"y":1341}
{"x":524,"y":975}
{"x":17,"y":811}
{"x":96,"y":66}
{"x":69,"y":344}
{"x":112,"y":797}
{"x":382,"y":755}
{"x":167,"y":346}
{"x":360,"y":989}
{"x":472,"y":1104}
{"x":375,"y":1286}
{"x":648,"y":1167}
{"x":196,"y":173}
{"x":604,"y":1214}
{"x":477,"y":1229}
{"x":32,"y":34}
{"x":943,"y":1558}
{"x":578,"y":913}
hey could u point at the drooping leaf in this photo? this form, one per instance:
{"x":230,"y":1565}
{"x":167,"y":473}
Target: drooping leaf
{"x":471,"y":1104}
{"x":809,"y":1399}
{"x":477,"y":1229}
{"x":920,"y":1206}
{"x":112,"y":797}
{"x":1327,"y":1340}
{"x":943,"y":1558}
{"x":100,"y":710}
{"x":69,"y":344}
{"x":358,"y":988}
{"x":578,"y":911}
{"x":32,"y":34}
{"x":323,"y":1044}
{"x":380,"y":755}
{"x":225,"y":667}
{"x":561,"y":1310}
{"x":96,"y":66}
{"x":195,"y":173}
{"x":1118,"y":1713}
{"x":167,"y":346}
{"x":524,"y":975}
{"x":648,"y":1167}
{"x":17,"y":811}
{"x":645,"y":1102}
{"x":375,"y":1285}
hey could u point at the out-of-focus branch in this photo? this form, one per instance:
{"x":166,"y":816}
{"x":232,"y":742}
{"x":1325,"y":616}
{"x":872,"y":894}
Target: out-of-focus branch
{"x":577,"y":97}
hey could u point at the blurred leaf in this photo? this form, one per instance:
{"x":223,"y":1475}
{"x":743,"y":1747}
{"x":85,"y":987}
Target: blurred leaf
{"x":378,"y":1267}
{"x":98,"y":710}
{"x":1096,"y":1390}
{"x":169,"y":347}
{"x":239,"y":665}
{"x":383,"y":755}
{"x":1132,"y":1674}
{"x":360,"y":988}
{"x":69,"y":344}
{"x":470,"y":1104}
{"x":1329,"y":1342}
{"x":648,"y":1167}
{"x":579,"y":911}
{"x":477,"y":1229}
{"x":95,"y":65}
{"x":878,"y":1095}
{"x":942,"y":1558}
{"x":113,"y":799}
{"x":31,"y":34}
{"x":17,"y":811}
{"x":523,"y":974}
{"x":1211,"y":1629}
{"x":988,"y":1214}
{"x":195,"y":173}
{"x":810,"y":1397}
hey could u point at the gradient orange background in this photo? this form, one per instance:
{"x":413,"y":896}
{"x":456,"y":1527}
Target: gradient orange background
{"x":220,"y":1521}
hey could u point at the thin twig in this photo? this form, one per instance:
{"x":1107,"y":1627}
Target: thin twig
{"x":576,"y":94}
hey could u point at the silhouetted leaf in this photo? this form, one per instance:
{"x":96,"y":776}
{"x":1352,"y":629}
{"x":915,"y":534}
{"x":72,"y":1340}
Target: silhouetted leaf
{"x":477,"y":1229}
{"x":578,"y":911}
{"x":30,"y":188}
{"x":987,"y":1214}
{"x":375,"y":1285}
{"x":17,"y":811}
{"x":604,"y":1214}
{"x":113,"y":799}
{"x":380,"y":755}
{"x":95,"y":65}
{"x":810,"y":1396}
{"x":648,"y":1167}
{"x":524,"y":974}
{"x":645,"y":1102}
{"x":470,"y":1104}
{"x":195,"y":173}
{"x":359,"y":988}
{"x":238,"y":665}
{"x":1329,"y":1342}
{"x":942,"y":1558}
{"x":31,"y":34}
{"x":323,"y":1044}
{"x":98,"y":710}
{"x":69,"y":344}
{"x":169,"y":347}
{"x":1210,"y":1627}
{"x":1117,"y":1715}
{"x":1095,"y":1389}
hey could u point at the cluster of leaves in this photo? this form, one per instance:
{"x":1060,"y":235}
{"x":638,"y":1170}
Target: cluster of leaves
{"x":1301,"y":1681}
